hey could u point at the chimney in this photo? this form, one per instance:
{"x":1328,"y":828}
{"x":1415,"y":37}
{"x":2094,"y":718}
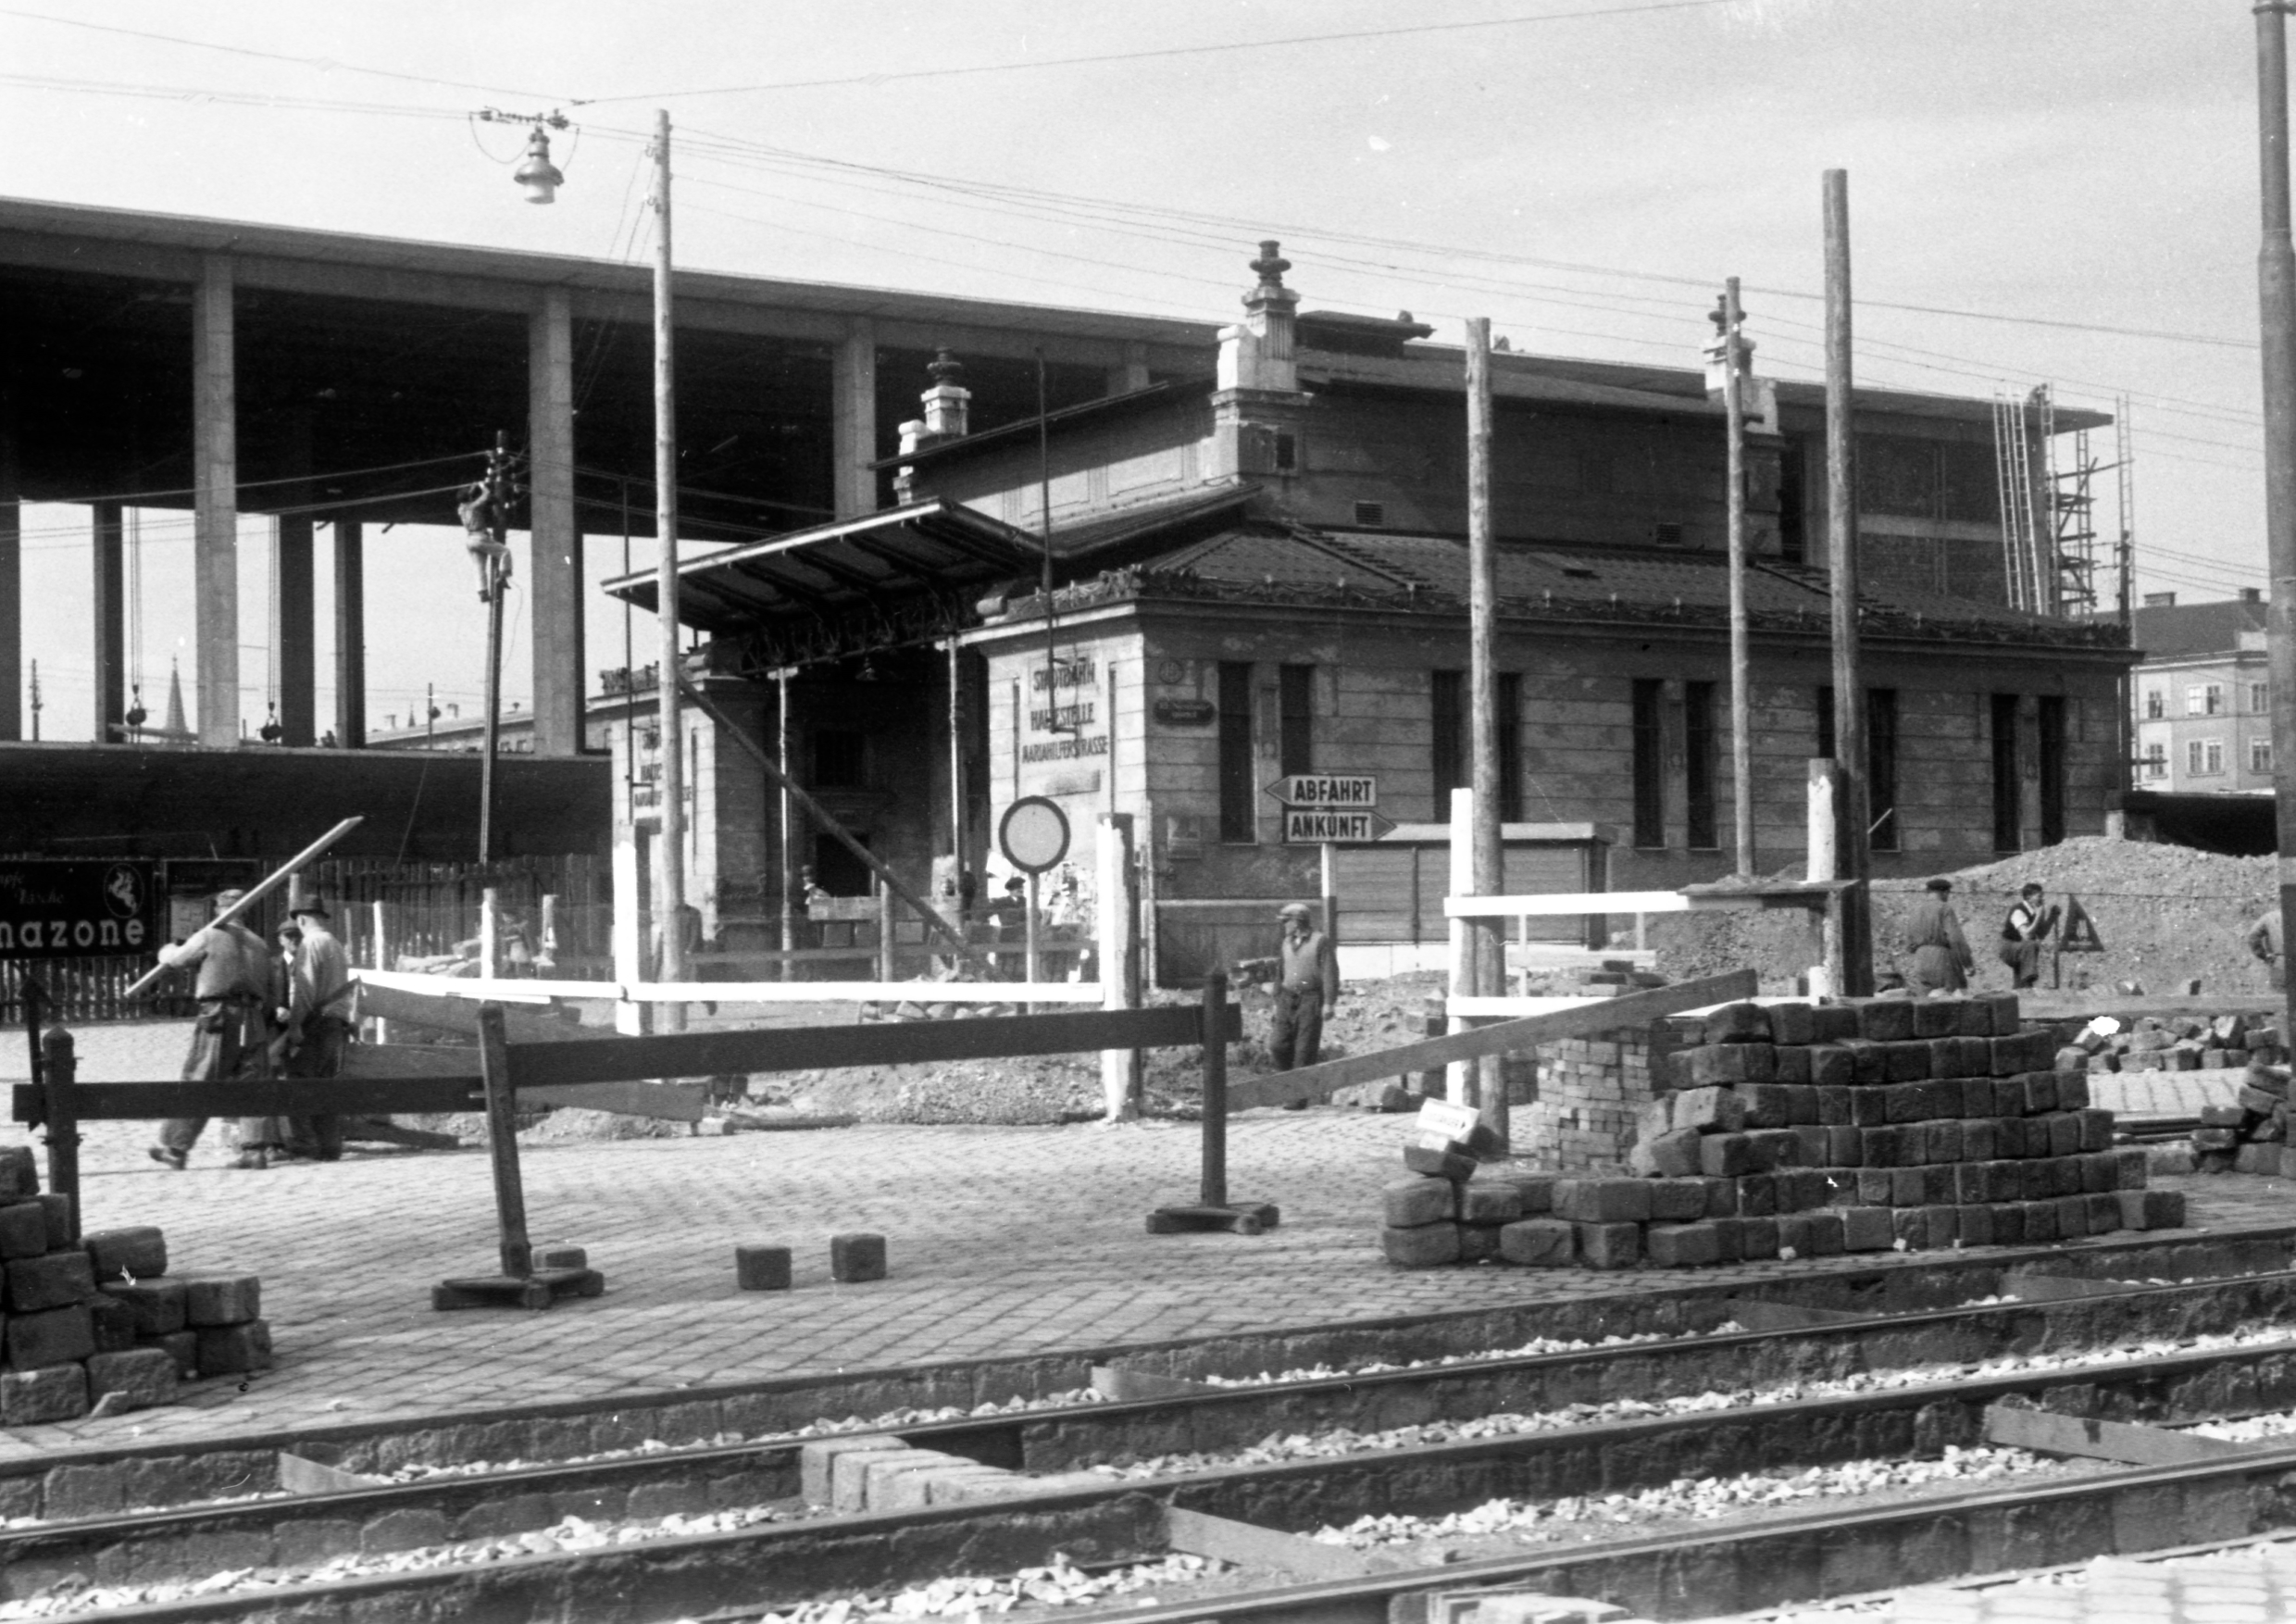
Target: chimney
{"x":1259,"y":352}
{"x":947,"y":417}
{"x":2251,"y":594}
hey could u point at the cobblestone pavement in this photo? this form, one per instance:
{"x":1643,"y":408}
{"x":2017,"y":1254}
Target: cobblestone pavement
{"x":2254,"y":1584}
{"x":1003,"y":1240}
{"x":2164,"y":1094}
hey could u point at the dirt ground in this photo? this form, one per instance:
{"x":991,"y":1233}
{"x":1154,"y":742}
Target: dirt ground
{"x":2165,"y":913}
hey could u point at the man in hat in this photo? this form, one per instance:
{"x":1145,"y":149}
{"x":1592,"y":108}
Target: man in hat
{"x":236,"y":984}
{"x":1942,"y":957}
{"x":2023,"y":930}
{"x":1307,"y":989}
{"x":318,"y":1022}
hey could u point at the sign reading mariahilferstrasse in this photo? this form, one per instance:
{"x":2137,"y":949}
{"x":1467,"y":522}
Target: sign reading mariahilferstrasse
{"x":60,"y":907}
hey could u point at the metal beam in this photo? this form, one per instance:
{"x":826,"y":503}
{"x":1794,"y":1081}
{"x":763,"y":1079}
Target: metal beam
{"x":215,"y":478}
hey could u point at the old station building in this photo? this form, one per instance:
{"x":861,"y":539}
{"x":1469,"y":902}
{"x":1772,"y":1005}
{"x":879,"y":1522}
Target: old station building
{"x":1260,"y":570}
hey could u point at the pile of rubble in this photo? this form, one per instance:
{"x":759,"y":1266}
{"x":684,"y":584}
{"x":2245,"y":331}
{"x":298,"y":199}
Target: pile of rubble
{"x":97,"y":1325}
{"x":2250,"y":1135}
{"x":2181,"y":1042}
{"x":1805,"y":1129}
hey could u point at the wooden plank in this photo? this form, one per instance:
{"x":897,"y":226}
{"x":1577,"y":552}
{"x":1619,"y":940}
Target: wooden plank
{"x":1753,"y":1314}
{"x":863,"y":992}
{"x":666,"y":1102}
{"x":501,"y":1143}
{"x":1198,"y":1533}
{"x":374,"y":1096}
{"x":2050,"y":1433}
{"x":2059,"y":1288}
{"x":445,"y":1012}
{"x":301,"y":1474}
{"x":805,"y":1048}
{"x":376,"y":1130}
{"x":1508,"y":1007}
{"x":1602,"y":1014}
{"x":1565,"y":902}
{"x":1116,"y":1382}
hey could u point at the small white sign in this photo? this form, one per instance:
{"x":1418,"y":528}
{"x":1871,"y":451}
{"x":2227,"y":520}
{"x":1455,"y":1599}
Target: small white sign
{"x":1453,"y":1122}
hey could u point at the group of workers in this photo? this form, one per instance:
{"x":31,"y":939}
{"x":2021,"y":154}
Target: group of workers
{"x":1941,"y":959}
{"x":264,"y":1013}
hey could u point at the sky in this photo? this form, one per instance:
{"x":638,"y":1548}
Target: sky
{"x":2041,"y":191}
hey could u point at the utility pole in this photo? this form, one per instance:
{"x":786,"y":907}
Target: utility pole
{"x":1855,"y":845}
{"x":670,"y":890}
{"x":2275,"y":276}
{"x":487,"y":519}
{"x":1742,"y":703}
{"x":1485,"y":938}
{"x":36,"y":707}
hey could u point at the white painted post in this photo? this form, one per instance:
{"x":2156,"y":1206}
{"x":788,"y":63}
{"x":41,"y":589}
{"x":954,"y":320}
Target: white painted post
{"x":884,"y":934}
{"x":546,"y":956}
{"x":629,"y":937}
{"x":382,"y":955}
{"x":1460,"y":1075}
{"x":1116,"y":916}
{"x":1825,"y":978}
{"x":490,"y":933}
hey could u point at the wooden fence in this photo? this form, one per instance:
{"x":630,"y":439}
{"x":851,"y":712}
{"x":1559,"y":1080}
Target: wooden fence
{"x":433,"y":905}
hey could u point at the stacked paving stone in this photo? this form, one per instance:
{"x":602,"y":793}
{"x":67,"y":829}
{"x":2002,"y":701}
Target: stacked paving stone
{"x":1802,"y":1130}
{"x":2182,"y":1042}
{"x":2252,"y":1134}
{"x":99,"y":1324}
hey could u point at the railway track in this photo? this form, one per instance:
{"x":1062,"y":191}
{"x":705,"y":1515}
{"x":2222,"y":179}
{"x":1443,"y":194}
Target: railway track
{"x":674,"y":1532}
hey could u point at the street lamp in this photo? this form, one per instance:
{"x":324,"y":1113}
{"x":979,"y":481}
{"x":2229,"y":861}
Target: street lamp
{"x":536,"y":174}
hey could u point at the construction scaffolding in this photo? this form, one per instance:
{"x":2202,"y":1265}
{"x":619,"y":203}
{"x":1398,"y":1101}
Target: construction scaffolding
{"x":2029,"y":580}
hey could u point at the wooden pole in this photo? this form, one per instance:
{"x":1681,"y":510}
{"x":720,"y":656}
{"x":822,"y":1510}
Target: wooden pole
{"x":263,"y":888}
{"x":670,"y":860}
{"x":1825,"y":830}
{"x":501,"y":1143}
{"x":2275,"y":272}
{"x":1215,"y":1190}
{"x":1485,"y":938}
{"x":789,"y":810}
{"x":489,"y":931}
{"x":1116,"y":919}
{"x":884,"y":932}
{"x":1742,"y":703}
{"x":59,"y":1103}
{"x":956,"y":771}
{"x":1856,"y":861}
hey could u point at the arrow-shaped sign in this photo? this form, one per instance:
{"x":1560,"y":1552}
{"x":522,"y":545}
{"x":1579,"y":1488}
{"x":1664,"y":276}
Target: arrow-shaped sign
{"x":1319,"y":826}
{"x":1333,"y":790}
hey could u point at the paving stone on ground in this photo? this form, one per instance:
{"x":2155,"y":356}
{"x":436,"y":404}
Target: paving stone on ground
{"x":2250,"y":1584}
{"x":2164,"y":1094}
{"x":1002,"y":1240}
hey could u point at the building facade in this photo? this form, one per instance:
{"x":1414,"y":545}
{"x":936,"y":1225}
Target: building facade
{"x":1260,"y":571}
{"x":2202,"y":701}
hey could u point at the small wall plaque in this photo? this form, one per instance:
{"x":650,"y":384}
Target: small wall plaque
{"x":1186,"y":713}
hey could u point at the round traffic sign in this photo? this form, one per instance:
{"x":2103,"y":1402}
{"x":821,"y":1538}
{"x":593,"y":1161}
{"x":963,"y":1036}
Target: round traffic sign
{"x":1033,"y":833}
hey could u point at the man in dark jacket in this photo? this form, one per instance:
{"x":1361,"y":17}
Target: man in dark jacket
{"x":1942,"y":957}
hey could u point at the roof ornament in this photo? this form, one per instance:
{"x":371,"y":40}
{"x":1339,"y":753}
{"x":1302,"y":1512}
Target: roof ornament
{"x":1271,"y":267}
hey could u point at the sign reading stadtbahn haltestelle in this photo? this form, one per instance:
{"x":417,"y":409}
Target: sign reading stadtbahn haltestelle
{"x":1327,"y":791}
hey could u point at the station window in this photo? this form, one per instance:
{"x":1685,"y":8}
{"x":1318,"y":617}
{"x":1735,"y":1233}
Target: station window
{"x":2260,"y":698}
{"x":2008,"y":833}
{"x":2260,"y":755}
{"x":1295,"y":748}
{"x":1649,"y":762}
{"x":1446,"y":738}
{"x":2053,"y":739}
{"x":2204,"y":758}
{"x":1881,"y":746}
{"x":2156,"y":761}
{"x":2155,"y":703}
{"x":2204,"y":699}
{"x":1238,"y":794}
{"x":1698,"y":766}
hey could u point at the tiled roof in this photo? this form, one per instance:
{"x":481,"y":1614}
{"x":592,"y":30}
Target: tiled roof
{"x":1274,"y":562}
{"x":2168,"y":630}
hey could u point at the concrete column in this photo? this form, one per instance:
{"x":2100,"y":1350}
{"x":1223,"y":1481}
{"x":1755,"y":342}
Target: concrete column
{"x":350,"y":635}
{"x":215,"y":503}
{"x":556,"y":535}
{"x":852,"y":420}
{"x":1132,"y":373}
{"x":297,"y":640}
{"x":111,"y":624}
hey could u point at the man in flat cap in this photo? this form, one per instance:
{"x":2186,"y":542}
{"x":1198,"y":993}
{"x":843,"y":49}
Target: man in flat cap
{"x":236,"y":984}
{"x":317,"y":1018}
{"x":1942,"y":957}
{"x":1307,"y":989}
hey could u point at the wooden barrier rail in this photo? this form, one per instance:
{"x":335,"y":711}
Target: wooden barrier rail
{"x":1596,"y":1015}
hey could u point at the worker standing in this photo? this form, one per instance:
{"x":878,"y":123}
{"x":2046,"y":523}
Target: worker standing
{"x":1942,"y":961}
{"x":1307,"y":989}
{"x":318,"y":1022}
{"x":237,"y":988}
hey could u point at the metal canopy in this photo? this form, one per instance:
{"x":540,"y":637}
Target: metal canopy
{"x":934,"y":547}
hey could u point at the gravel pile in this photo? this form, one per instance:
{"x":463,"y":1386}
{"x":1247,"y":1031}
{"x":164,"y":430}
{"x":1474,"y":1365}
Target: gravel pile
{"x":2165,"y":913}
{"x":1278,"y":1447}
{"x":1530,"y":1521}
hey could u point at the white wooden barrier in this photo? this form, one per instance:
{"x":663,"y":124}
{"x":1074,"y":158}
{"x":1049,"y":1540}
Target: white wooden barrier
{"x":539,"y":992}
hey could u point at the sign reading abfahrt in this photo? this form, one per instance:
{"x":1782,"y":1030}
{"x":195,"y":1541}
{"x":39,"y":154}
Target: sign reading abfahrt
{"x":1327,"y":791}
{"x":64,"y":907}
